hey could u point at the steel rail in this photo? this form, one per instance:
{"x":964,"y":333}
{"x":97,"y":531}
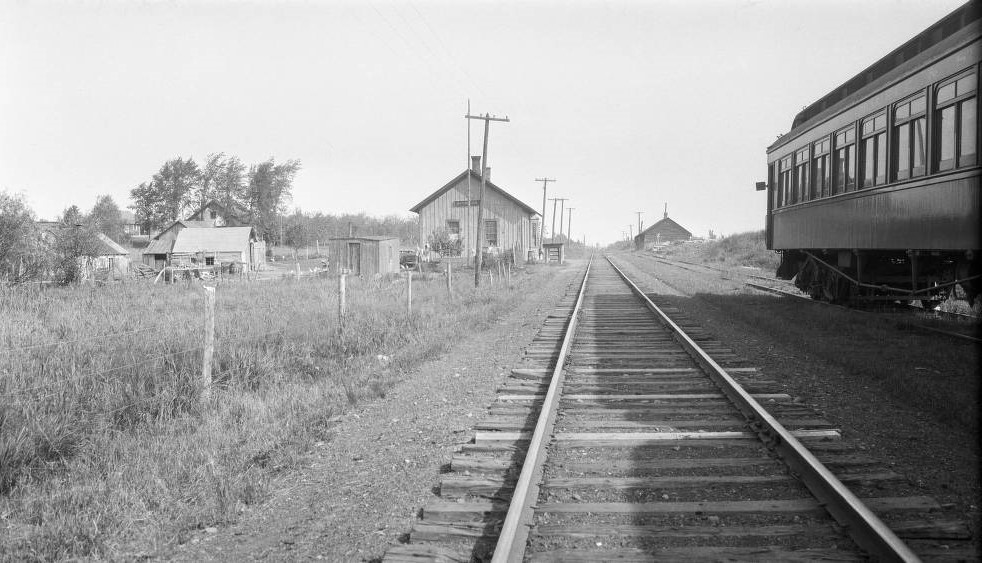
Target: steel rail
{"x":864,"y":527}
{"x":513,"y":536}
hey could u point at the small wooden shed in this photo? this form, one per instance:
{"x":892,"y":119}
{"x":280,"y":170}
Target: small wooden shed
{"x":555,"y":252}
{"x":366,"y":255}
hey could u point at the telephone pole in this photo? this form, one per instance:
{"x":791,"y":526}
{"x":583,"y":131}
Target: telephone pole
{"x":569,"y":224}
{"x":488,"y":118}
{"x":562,"y":201}
{"x":552,"y":231}
{"x":542,"y":225}
{"x":640,"y":213}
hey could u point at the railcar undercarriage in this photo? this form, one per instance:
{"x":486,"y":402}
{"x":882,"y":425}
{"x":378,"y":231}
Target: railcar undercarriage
{"x":857,"y":276}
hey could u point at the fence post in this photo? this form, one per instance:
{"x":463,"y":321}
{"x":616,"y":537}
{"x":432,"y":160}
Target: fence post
{"x":450,"y":280}
{"x":209,"y":344}
{"x":409,"y":292}
{"x":298,"y":268}
{"x":341,"y":301}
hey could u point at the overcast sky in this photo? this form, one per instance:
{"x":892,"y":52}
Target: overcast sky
{"x":629,"y":105}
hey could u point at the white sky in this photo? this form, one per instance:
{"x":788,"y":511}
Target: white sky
{"x":627,"y":104}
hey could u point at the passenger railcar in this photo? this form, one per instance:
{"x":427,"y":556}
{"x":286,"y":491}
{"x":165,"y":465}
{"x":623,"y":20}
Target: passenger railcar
{"x":874,"y":192}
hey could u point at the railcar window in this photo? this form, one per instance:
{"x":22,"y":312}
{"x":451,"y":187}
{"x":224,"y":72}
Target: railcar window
{"x":801,"y":174}
{"x":956,"y":123}
{"x":820,"y":168}
{"x":844,"y":161}
{"x":910,"y":123}
{"x":874,"y":150}
{"x":784,"y":181}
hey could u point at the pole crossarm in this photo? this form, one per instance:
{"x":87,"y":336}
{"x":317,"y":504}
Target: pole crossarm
{"x":487,"y":117}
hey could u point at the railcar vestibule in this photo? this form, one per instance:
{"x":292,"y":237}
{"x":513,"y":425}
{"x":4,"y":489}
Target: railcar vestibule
{"x":899,"y":130}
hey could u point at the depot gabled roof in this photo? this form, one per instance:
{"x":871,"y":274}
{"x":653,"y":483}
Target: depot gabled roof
{"x":665,"y":222}
{"x":416,"y":208}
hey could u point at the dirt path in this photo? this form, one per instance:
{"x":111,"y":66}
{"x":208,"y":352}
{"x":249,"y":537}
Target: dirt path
{"x":364,"y":487}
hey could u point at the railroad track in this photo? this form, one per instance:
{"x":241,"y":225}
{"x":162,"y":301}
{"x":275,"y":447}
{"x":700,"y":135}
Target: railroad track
{"x":631,"y":435}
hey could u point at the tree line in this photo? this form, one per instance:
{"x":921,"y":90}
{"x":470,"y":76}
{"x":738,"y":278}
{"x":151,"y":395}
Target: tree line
{"x":182,"y":186}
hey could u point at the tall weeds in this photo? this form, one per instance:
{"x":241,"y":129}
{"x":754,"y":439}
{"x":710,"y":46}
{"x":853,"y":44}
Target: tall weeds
{"x":105,"y":441}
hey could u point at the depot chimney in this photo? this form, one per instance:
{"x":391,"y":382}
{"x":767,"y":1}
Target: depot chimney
{"x":476,"y":164}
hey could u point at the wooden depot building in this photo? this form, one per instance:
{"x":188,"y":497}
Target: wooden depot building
{"x":662,"y":232}
{"x":511,"y":227}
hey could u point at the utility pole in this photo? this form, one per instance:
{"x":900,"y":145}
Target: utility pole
{"x":562,"y":201}
{"x":552,"y":231}
{"x":542,"y":225}
{"x":569,"y":224}
{"x":467,"y":210}
{"x":488,"y":118}
{"x":631,"y":231}
{"x":640,"y":213}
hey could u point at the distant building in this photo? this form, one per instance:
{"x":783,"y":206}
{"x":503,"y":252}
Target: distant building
{"x":107,"y":255}
{"x":222,"y":215}
{"x":367,"y":255}
{"x":662,"y":232}
{"x":510,"y":226}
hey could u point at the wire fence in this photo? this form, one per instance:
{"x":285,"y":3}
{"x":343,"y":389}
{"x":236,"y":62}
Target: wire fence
{"x":53,"y":374}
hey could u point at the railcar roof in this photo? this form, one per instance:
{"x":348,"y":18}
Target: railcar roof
{"x":960,"y":26}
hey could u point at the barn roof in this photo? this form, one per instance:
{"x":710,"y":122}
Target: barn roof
{"x":665,"y":222}
{"x":416,"y":208}
{"x":212,"y":239}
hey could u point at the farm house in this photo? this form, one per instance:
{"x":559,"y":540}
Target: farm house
{"x":222,"y":215}
{"x":366,"y":255}
{"x":106,"y":255}
{"x":510,"y":225}
{"x":157,"y":252}
{"x":662,"y":232}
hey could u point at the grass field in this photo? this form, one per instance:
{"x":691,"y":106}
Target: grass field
{"x":741,"y":249}
{"x":105,"y":440}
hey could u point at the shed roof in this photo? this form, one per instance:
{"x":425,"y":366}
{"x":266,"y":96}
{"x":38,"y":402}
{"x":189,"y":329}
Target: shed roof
{"x":416,"y":208}
{"x":213,"y":239}
{"x":159,"y":246}
{"x":665,"y":222}
{"x":105,"y":246}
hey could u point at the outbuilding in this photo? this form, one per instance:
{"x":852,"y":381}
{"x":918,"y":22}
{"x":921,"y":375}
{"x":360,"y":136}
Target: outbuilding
{"x":448,"y":218}
{"x":662,"y":232}
{"x":365,"y":255}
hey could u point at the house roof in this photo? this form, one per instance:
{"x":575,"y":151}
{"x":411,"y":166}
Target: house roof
{"x":666,"y":222}
{"x":416,"y":208}
{"x":105,"y":246}
{"x":235,"y":209}
{"x":213,"y":239}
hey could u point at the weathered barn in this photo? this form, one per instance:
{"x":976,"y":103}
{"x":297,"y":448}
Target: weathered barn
{"x":222,"y":215}
{"x":662,"y":232}
{"x":367,"y":255}
{"x":157,"y":253}
{"x":450,"y":213}
{"x":215,"y":245}
{"x":186,"y":243}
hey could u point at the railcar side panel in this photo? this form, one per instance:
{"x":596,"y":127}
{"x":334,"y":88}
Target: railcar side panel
{"x":937,"y":214}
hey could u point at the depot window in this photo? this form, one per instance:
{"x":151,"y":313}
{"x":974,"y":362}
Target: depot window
{"x":801,"y":175}
{"x":820,"y":168}
{"x":453,"y":227}
{"x":874,"y":148}
{"x":956,"y":123}
{"x":491,"y":232}
{"x":909,"y":130}
{"x":844,"y":161}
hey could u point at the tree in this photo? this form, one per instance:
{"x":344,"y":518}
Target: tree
{"x":107,"y":219}
{"x":168,"y":195}
{"x":74,"y":242}
{"x":21,"y":255}
{"x":269,"y":190}
{"x":229,"y":187}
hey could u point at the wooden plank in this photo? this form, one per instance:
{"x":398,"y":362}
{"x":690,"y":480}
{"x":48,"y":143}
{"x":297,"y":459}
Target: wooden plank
{"x":878,"y":504}
{"x":773,"y":553}
{"x":595,"y":529}
{"x":424,"y":553}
